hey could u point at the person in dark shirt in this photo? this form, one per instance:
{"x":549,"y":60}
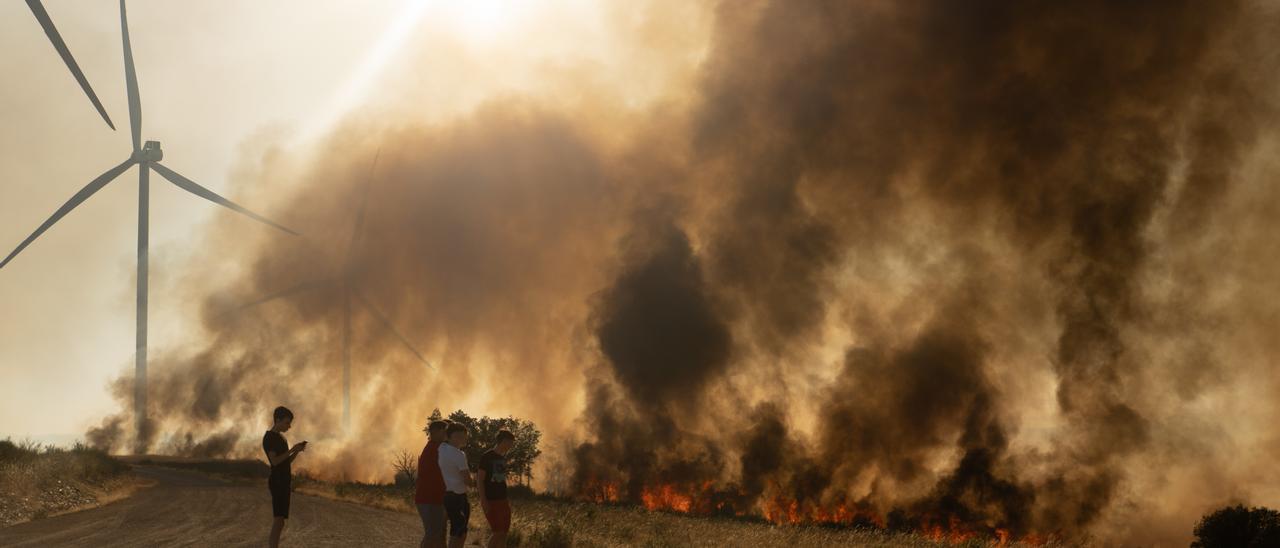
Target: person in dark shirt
{"x":280,"y":457}
{"x":492,"y":477}
{"x":429,"y":493}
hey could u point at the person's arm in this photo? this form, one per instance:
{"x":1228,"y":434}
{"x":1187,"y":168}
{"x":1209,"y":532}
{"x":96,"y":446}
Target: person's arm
{"x":280,"y":458}
{"x":480,"y":475}
{"x":466,"y":473}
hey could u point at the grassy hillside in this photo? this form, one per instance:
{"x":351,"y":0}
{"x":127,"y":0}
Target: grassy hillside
{"x":38,"y":481}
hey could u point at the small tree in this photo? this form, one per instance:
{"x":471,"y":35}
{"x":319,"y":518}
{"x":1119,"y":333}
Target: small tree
{"x":406,"y":466}
{"x":1237,"y":526}
{"x":484,"y":434}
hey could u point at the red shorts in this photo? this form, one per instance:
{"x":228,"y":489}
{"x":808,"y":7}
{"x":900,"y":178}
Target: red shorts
{"x":499,"y":515}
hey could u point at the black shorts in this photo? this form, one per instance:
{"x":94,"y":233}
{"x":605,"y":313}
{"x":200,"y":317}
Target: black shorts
{"x":459,"y":512}
{"x":280,"y":499}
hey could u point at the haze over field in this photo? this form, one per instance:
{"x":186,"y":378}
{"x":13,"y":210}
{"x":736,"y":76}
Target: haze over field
{"x":1008,"y":262}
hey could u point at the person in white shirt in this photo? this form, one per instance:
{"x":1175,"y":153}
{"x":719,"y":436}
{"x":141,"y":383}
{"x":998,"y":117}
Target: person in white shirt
{"x":457,"y":476}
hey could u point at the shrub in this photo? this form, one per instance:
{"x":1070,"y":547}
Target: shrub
{"x":405,"y":465}
{"x":1237,"y":526}
{"x":8,"y":451}
{"x":14,"y":452}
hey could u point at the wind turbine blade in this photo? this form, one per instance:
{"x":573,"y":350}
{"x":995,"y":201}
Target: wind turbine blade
{"x":383,"y":318}
{"x":364,"y":203}
{"x":84,"y":194}
{"x":37,"y":9}
{"x":304,"y":286}
{"x":191,"y":186}
{"x":131,"y":82}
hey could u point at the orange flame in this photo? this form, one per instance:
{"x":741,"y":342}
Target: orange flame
{"x":666,"y":497}
{"x":783,"y":510}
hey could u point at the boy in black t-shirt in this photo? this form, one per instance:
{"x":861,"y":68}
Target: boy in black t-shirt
{"x":492,"y":478}
{"x":280,"y":457}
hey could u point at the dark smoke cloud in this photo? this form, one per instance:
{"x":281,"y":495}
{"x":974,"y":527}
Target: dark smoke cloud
{"x":839,"y":128}
{"x":659,"y":329}
{"x":976,"y":204}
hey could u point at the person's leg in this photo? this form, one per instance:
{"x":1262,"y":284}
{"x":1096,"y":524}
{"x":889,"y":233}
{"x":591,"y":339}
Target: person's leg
{"x":277,"y":527}
{"x":466,"y":520}
{"x":279,"y":513}
{"x":436,"y":519}
{"x":426,"y":526}
{"x":458,"y":510}
{"x":499,"y":516}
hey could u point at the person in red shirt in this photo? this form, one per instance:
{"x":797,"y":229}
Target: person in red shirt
{"x":429,"y":496}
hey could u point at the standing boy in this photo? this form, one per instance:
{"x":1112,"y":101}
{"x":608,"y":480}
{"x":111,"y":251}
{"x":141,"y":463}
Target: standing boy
{"x":457,"y":476}
{"x":280,"y":457}
{"x":430,"y":487}
{"x":492,"y":477}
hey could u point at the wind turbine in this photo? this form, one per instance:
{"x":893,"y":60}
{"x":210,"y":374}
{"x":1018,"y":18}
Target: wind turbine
{"x":345,"y":282}
{"x":37,"y":9}
{"x":146,"y":158}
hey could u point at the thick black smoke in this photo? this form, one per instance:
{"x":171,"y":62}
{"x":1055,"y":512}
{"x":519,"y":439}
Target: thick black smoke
{"x":848,"y":132}
{"x":663,"y":340}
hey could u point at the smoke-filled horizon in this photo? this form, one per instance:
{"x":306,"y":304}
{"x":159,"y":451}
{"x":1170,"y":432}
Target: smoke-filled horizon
{"x":1008,"y":263}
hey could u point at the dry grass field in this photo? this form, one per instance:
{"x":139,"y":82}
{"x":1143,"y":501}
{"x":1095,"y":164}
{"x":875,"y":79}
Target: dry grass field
{"x":546,"y":522}
{"x":37,"y":482}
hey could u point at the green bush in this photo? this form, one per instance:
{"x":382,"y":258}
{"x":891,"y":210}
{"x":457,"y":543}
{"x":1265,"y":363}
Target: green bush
{"x":1238,"y":527}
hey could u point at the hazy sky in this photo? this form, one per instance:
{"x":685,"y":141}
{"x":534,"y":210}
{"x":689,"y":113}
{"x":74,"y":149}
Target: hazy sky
{"x":221,"y":84}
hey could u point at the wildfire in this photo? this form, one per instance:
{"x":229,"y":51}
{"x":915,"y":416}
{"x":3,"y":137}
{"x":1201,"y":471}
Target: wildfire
{"x":788,"y":511}
{"x":953,"y":532}
{"x":705,"y":499}
{"x":601,"y":492}
{"x":666,"y":497}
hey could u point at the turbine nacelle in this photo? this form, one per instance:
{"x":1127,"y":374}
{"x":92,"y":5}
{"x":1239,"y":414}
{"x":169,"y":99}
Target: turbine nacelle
{"x":150,"y":152}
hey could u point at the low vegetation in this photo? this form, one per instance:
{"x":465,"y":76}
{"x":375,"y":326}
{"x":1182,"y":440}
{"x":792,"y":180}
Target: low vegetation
{"x":542,"y":521}
{"x":37,"y":481}
{"x":232,"y":469}
{"x":548,"y":522}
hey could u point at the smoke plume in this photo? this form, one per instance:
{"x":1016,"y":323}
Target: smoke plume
{"x":904,"y":264}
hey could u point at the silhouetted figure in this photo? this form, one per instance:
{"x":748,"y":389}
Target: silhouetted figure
{"x":457,"y":476}
{"x":280,"y":457}
{"x":429,"y":495}
{"x":492,"y":478}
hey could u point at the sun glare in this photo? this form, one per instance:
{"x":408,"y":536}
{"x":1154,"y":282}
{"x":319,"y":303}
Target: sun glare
{"x":477,"y":20}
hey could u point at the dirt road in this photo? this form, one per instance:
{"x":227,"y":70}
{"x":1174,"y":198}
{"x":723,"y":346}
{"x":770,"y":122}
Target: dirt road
{"x":189,"y":509}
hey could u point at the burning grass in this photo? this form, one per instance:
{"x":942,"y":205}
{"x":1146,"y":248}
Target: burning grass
{"x":666,"y":519}
{"x":38,"y":481}
{"x":707,"y":501}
